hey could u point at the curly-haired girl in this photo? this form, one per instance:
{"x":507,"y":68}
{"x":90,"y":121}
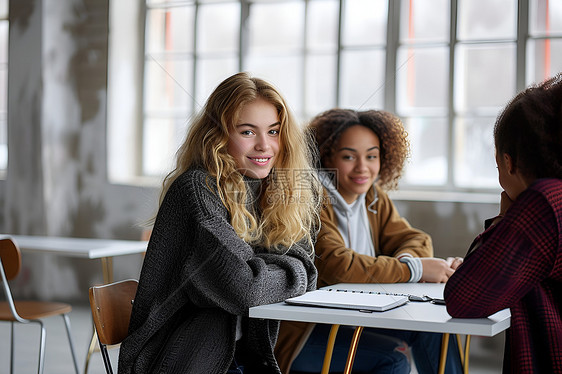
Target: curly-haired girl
{"x":516,"y":262}
{"x":363,"y":239}
{"x":225,"y":240}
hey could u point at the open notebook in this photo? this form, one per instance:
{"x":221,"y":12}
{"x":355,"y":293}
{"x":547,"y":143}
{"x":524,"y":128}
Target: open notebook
{"x":349,"y":300}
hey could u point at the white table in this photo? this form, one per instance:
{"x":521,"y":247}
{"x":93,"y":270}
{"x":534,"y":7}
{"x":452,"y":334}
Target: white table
{"x":414,"y":316}
{"x":103,"y":249}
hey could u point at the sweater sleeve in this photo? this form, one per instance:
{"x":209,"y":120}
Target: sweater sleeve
{"x":512,"y":258}
{"x":221,"y":270}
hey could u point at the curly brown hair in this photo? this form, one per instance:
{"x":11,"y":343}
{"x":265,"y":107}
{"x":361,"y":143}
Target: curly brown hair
{"x":328,"y":127}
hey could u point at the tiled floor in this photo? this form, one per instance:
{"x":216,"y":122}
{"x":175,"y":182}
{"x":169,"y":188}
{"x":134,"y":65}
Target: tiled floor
{"x":485,"y":357}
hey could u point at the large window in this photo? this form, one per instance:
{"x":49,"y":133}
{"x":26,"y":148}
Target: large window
{"x":3,"y":87}
{"x":446,"y":67}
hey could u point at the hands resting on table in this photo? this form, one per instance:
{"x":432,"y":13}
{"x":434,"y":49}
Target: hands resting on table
{"x":438,"y":270}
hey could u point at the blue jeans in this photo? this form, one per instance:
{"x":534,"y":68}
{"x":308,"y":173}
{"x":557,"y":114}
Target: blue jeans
{"x":379,"y":351}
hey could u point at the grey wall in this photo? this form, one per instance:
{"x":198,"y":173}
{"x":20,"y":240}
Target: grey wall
{"x":56,"y":182}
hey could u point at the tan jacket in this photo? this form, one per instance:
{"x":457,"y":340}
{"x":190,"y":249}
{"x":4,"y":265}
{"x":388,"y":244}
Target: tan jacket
{"x":392,"y":236}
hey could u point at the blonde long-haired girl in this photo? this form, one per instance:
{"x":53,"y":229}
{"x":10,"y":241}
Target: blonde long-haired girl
{"x":235,"y":228}
{"x":206,"y":146}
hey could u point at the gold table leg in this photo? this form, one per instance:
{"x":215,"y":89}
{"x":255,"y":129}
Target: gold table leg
{"x":459,"y":346}
{"x":463,"y":356}
{"x":107,"y":269}
{"x":466,"y":351}
{"x":330,"y":349}
{"x":352,"y":349}
{"x":355,"y":343}
{"x":443,"y":358}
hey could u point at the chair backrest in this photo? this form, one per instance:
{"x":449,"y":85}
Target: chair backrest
{"x":111,"y":306}
{"x":10,"y":257}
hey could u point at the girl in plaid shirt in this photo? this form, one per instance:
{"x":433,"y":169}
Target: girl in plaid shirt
{"x":516,"y":262}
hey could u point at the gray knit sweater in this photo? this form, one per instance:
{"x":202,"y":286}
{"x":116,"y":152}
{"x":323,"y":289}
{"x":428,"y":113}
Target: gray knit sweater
{"x":198,"y":271}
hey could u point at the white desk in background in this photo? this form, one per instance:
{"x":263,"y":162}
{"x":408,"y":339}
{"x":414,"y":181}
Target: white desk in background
{"x":104,"y":249}
{"x":414,"y":316}
{"x":88,"y":248}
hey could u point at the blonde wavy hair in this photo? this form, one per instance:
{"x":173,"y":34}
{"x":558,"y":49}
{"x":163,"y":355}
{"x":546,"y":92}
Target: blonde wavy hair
{"x":290,"y":196}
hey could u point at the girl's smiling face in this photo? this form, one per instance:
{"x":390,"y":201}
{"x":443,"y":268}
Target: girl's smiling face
{"x":357,"y":159}
{"x":254,"y":139}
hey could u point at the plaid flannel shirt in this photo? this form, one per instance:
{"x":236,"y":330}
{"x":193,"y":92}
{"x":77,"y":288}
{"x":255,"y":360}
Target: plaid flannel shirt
{"x":517,"y":264}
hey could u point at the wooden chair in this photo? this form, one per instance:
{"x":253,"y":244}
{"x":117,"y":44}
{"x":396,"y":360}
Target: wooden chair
{"x":27,"y":311}
{"x":111,"y":310}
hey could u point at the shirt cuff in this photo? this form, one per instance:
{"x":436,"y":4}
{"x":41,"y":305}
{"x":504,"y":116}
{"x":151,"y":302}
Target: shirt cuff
{"x":415,"y":266}
{"x":405,"y":254}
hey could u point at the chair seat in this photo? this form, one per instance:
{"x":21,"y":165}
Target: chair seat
{"x":33,"y":309}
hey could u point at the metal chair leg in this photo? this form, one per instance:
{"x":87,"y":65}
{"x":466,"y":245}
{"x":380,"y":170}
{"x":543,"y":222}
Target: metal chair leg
{"x":12,"y":342}
{"x":91,"y":349}
{"x":106,"y":360}
{"x":70,"y":342}
{"x":42,"y":339}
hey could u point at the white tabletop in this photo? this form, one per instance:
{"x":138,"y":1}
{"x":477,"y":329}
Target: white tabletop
{"x":414,"y":316}
{"x":78,"y":247}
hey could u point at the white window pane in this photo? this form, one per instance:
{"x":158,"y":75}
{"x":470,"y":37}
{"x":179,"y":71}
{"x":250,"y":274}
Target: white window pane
{"x":276,"y":26}
{"x":322,"y":32}
{"x":320,"y":84}
{"x":428,"y":142}
{"x":169,"y":29}
{"x":422,"y":80}
{"x":414,"y":25}
{"x":364,"y":22}
{"x":4,"y":9}
{"x":168,"y":85}
{"x":162,"y":137}
{"x":544,"y":59}
{"x":487,"y":19}
{"x":545,"y":17}
{"x":218,"y":26}
{"x":362,"y":79}
{"x":475,"y":165}
{"x":485,"y":77}
{"x":284,"y":72}
{"x":211,"y":72}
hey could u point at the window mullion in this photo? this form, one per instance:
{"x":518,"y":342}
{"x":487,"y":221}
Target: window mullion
{"x":392,"y":36}
{"x":195,"y":57}
{"x":338,"y":59}
{"x":244,"y":37}
{"x":522,"y":37}
{"x":451,"y":102}
{"x":138,"y":149}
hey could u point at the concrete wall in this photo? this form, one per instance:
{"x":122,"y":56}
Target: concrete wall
{"x":56,"y":182}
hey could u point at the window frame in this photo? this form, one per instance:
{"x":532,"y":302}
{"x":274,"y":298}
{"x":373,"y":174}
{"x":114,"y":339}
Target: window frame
{"x":391,"y":48}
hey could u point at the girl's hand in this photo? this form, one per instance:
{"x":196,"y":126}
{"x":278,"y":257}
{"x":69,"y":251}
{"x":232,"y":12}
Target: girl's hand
{"x":505,"y":203}
{"x":454,"y":262}
{"x":435,"y":270}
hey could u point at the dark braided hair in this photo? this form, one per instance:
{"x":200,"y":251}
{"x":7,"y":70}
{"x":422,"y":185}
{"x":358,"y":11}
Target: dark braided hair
{"x":328,"y":127}
{"x":529,"y":129}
